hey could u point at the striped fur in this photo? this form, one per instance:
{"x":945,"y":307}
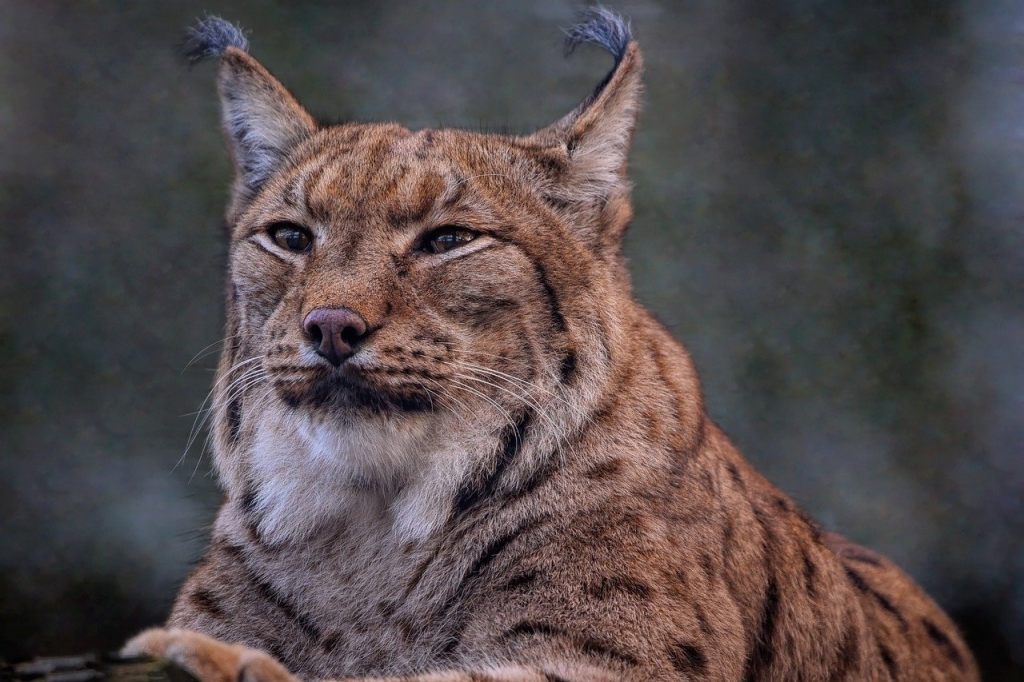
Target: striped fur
{"x":514,"y":477}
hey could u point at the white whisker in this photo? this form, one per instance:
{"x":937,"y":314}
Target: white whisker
{"x":531,"y":403}
{"x":200,"y":419}
{"x":501,"y":410}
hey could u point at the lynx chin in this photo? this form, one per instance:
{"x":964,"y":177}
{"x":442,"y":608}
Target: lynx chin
{"x":455,"y":447}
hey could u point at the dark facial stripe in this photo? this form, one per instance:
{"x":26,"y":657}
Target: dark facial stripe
{"x":457,"y":192}
{"x":291,"y":193}
{"x":472,"y":493}
{"x":373,"y":157}
{"x":556,"y":308}
{"x":707,"y":565}
{"x":491,"y":302}
{"x":317,"y":211}
{"x":481,"y":312}
{"x":234,"y":346}
{"x":275,"y":649}
{"x":386,"y":189}
{"x":426,"y":194}
{"x":538,"y":478}
{"x":605,"y":470}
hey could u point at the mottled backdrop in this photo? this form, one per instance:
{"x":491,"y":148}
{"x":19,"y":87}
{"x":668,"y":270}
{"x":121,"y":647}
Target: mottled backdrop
{"x":829,"y":213}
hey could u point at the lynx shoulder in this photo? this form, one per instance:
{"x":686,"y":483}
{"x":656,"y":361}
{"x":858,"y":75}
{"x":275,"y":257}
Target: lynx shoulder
{"x":455,"y":447}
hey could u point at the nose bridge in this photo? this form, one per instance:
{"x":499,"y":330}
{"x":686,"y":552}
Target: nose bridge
{"x":354,"y":280}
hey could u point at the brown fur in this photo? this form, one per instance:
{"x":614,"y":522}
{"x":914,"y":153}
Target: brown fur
{"x":514,"y":478}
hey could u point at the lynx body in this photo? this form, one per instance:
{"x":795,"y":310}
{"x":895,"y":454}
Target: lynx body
{"x":455,"y":447}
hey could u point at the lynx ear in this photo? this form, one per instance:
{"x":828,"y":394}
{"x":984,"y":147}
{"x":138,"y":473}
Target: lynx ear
{"x":595,"y":137}
{"x":262,"y":120}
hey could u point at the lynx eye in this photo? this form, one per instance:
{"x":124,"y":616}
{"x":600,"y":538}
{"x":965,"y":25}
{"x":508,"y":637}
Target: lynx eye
{"x":447,"y":238}
{"x":290,"y":237}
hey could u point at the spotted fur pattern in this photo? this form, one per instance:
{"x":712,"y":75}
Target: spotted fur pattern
{"x":514,"y":477}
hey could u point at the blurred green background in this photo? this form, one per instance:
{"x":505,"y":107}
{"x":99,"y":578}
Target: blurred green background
{"x":828,"y":213}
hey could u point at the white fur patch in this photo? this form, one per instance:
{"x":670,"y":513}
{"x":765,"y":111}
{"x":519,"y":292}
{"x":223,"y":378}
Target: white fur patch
{"x":312,"y":474}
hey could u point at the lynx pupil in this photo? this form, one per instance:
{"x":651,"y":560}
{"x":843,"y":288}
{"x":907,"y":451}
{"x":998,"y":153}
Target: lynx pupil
{"x":447,"y":238}
{"x":291,"y":237}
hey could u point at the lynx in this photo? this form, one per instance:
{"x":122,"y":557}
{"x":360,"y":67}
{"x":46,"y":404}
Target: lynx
{"x":455,"y":447}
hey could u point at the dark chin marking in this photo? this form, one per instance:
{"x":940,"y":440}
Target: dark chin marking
{"x":342,"y":394}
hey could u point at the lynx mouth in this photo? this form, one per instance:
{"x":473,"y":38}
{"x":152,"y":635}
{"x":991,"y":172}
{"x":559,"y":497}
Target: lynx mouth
{"x":350,"y":388}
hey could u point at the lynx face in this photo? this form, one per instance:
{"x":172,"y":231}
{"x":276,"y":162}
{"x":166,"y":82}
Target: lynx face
{"x":405,"y":302}
{"x":385,"y":272}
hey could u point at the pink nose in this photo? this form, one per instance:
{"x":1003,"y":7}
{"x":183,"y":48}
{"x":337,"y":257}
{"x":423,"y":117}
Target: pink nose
{"x":336,"y":332}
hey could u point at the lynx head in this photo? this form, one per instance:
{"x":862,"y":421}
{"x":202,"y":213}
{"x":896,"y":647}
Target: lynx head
{"x":404,"y":299}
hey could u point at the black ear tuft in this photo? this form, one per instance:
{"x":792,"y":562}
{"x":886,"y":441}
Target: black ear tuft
{"x":600,"y":26}
{"x":210,"y":37}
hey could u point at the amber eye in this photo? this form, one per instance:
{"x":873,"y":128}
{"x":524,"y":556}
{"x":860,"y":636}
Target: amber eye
{"x":291,"y":237}
{"x":447,"y":238}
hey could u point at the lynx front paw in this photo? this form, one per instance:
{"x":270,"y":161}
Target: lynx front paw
{"x":208,"y":659}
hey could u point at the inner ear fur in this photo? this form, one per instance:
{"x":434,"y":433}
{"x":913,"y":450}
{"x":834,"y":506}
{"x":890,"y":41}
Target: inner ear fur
{"x":262,"y":120}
